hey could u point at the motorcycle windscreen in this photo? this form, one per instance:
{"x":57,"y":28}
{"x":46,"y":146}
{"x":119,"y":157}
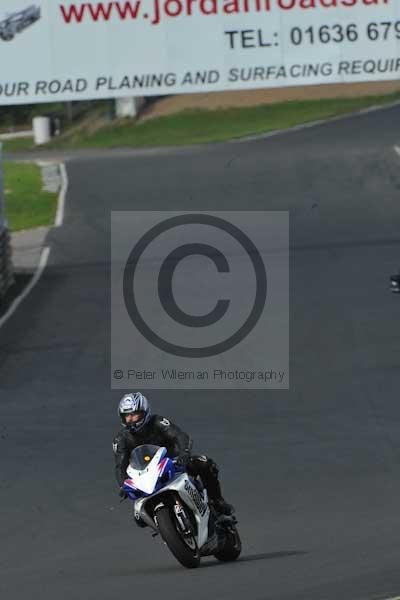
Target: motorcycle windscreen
{"x":142,"y":456}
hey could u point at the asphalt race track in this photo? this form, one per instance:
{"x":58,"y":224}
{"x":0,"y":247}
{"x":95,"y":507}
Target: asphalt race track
{"x":314,"y":472}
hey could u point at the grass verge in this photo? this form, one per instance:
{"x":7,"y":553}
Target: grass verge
{"x":201,"y":126}
{"x":27,"y":204}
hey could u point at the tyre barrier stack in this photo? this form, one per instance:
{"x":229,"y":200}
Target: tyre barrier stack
{"x":6,"y":268}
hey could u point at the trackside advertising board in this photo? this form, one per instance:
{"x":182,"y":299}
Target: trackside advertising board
{"x":55,"y":50}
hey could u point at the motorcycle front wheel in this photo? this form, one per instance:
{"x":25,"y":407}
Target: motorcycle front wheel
{"x":185,"y":551}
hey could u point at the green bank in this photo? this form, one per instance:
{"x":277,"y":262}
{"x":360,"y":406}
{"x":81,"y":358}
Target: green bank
{"x":205,"y":126}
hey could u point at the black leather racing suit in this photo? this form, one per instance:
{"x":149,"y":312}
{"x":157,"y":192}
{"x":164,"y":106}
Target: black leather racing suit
{"x":162,"y":432}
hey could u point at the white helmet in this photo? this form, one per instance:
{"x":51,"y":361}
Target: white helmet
{"x":134,"y":403}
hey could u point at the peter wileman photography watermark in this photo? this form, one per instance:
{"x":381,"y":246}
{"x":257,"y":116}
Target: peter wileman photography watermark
{"x":200,"y":300}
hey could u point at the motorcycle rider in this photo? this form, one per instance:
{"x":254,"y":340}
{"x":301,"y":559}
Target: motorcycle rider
{"x":140,"y":426}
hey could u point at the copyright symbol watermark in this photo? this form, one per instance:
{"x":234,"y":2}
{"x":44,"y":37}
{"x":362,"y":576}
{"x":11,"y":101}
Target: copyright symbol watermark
{"x":165,"y":288}
{"x":199,"y":299}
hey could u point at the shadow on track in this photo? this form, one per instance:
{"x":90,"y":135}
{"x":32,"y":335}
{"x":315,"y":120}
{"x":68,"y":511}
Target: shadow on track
{"x":216,"y":563}
{"x":269,"y":555}
{"x":255,"y":557}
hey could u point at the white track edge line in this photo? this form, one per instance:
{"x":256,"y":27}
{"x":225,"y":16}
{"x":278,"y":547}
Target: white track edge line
{"x":45,"y":253}
{"x":311,"y":124}
{"x":44,"y":257}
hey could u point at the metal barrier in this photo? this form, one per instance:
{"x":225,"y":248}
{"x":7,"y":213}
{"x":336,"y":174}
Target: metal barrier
{"x":6,"y":268}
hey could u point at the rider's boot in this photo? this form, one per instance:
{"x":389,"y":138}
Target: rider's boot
{"x":209,"y":476}
{"x":222,"y":507}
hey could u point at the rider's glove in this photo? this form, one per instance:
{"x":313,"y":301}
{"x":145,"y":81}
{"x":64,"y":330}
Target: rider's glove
{"x":122,"y":493}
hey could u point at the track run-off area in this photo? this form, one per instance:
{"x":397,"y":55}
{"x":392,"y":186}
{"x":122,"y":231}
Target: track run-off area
{"x":313,"y":472}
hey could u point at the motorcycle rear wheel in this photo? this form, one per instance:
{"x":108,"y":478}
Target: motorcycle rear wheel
{"x":188,"y":556}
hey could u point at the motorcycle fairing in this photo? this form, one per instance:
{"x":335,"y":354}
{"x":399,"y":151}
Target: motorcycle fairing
{"x":190,"y":496}
{"x":145,"y":480}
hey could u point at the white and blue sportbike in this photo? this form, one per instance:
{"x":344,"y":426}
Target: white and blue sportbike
{"x":176,"y":506}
